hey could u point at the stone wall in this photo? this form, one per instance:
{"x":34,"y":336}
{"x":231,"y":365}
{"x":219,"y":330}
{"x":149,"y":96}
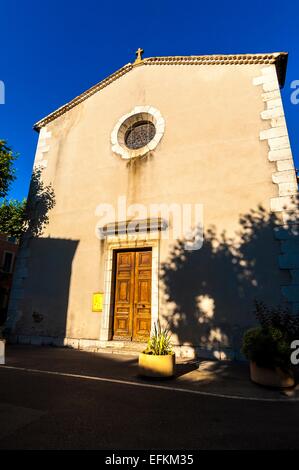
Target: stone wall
{"x":285,"y":205}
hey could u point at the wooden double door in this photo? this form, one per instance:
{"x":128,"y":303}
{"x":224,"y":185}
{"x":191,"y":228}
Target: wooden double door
{"x":132,"y":295}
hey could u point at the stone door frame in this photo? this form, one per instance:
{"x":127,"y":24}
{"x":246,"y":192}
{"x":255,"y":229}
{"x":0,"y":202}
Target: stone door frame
{"x":113,"y":243}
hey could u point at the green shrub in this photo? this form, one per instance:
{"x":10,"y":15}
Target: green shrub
{"x":159,"y":343}
{"x":278,"y":317}
{"x":267,"y":346}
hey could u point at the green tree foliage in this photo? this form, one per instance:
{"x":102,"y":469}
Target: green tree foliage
{"x":12,"y":212}
{"x":13,"y":218}
{"x":7,"y":171}
{"x":16,"y":217}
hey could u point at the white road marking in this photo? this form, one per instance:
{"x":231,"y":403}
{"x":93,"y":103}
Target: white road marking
{"x":153,"y":386}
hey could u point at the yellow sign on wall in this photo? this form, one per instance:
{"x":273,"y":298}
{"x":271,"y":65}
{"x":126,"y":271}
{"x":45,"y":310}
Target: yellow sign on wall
{"x":97,"y":301}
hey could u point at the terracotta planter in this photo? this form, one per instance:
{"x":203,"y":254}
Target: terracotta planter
{"x":2,"y":351}
{"x":150,"y":365}
{"x":271,"y":377}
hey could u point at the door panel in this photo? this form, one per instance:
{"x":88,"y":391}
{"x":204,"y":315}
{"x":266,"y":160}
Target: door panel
{"x":132,"y":307}
{"x":124,"y":295}
{"x":142,"y":301}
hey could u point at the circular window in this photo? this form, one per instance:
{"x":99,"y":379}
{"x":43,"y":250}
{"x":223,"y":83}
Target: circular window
{"x":139,"y":134}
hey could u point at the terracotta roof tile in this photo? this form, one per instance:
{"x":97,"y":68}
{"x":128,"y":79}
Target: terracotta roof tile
{"x":277,"y":58}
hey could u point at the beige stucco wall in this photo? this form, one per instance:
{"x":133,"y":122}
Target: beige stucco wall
{"x":210,"y":153}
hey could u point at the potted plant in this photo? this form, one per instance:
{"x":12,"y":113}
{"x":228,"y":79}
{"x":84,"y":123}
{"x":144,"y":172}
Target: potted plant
{"x":2,"y":348}
{"x":268,"y":346}
{"x":158,"y":359}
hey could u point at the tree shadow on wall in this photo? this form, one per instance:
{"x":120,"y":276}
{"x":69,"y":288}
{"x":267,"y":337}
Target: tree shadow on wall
{"x":41,"y":200}
{"x":209,"y":293}
{"x":43,"y":270}
{"x":47,"y":285}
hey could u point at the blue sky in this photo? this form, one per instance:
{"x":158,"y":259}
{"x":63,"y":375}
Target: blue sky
{"x":53,"y":50}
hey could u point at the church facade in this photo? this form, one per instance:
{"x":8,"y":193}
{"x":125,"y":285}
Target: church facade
{"x":165,"y":192}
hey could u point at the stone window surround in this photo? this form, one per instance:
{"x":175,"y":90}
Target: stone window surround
{"x":145,"y":113}
{"x":127,"y":241}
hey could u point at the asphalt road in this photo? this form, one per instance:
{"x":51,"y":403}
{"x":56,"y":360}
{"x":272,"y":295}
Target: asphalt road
{"x":39,"y":411}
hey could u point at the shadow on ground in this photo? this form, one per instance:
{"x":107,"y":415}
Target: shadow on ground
{"x":216,"y":377}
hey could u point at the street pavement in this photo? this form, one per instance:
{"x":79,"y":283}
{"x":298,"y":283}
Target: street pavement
{"x":55,"y":398}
